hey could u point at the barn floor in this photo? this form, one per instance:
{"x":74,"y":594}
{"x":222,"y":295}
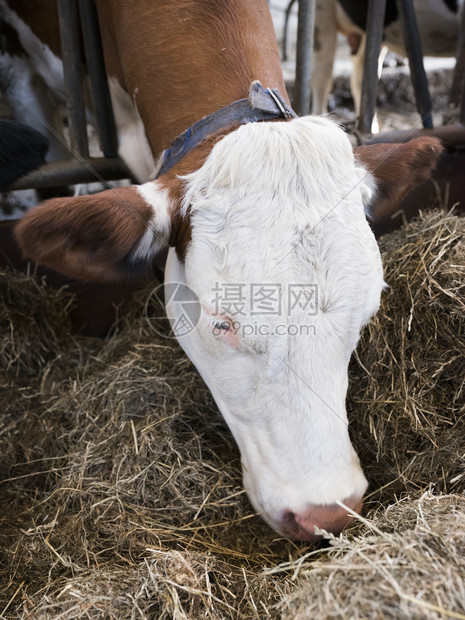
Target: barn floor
{"x":121,"y":494}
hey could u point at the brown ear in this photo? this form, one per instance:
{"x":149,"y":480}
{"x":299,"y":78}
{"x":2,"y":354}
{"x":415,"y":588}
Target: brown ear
{"x":106,"y":237}
{"x":398,"y":169}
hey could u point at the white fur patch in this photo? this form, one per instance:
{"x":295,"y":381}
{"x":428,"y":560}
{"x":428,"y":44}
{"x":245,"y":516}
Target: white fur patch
{"x":159,"y":226}
{"x":134,"y":147}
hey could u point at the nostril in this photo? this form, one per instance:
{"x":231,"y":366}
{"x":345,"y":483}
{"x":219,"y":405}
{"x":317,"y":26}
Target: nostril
{"x":330,"y":517}
{"x":293,"y":529}
{"x":289,"y":521}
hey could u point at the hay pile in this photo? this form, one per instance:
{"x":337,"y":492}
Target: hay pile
{"x":408,"y":390}
{"x":406,"y":562}
{"x":121,"y":494}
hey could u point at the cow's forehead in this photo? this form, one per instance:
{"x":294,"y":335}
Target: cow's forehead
{"x":306,"y":160}
{"x":277,"y":182}
{"x":284,"y":206}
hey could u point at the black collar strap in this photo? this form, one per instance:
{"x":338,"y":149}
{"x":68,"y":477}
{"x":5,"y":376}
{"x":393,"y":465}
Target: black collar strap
{"x":262,"y":104}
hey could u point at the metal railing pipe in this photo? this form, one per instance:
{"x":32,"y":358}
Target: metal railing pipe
{"x":98,"y":79}
{"x":303,"y":70}
{"x":415,"y":57}
{"x":72,"y":66}
{"x":374,"y":35}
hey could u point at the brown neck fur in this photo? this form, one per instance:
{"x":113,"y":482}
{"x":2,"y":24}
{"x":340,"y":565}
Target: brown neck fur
{"x":182,"y":60}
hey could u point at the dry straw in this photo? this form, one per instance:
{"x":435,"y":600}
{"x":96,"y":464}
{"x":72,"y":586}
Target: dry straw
{"x":121,"y":494}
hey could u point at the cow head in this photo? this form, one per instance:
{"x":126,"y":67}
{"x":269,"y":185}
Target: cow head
{"x":287,"y":272}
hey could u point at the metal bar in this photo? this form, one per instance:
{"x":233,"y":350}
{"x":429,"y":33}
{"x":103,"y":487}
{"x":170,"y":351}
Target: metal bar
{"x":73,"y":171}
{"x":415,"y":57}
{"x":450,"y":135}
{"x":374,"y":35}
{"x":286,"y":27}
{"x":98,"y":78}
{"x":459,"y":70}
{"x":457,"y":93}
{"x":70,"y":49}
{"x":303,"y":70}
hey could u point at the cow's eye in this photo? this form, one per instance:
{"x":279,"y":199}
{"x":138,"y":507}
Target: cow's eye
{"x":224,"y":330}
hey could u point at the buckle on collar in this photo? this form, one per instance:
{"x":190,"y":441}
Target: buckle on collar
{"x":259,"y":99}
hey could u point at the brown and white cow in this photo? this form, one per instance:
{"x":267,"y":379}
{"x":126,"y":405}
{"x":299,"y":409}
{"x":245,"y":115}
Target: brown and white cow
{"x":266,"y":203}
{"x":438,"y":24}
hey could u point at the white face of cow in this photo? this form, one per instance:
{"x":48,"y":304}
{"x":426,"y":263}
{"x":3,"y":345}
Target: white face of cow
{"x":287,"y":272}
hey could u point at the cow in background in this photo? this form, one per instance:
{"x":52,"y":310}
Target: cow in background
{"x":22,"y":149}
{"x":32,"y":82}
{"x":438,"y":24}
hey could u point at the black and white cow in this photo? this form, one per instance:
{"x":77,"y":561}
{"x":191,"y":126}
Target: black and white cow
{"x":438,"y":23}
